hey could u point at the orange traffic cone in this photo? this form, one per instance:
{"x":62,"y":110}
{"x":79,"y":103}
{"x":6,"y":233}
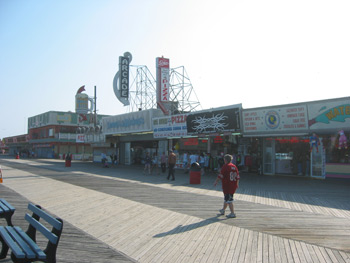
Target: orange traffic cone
{"x":0,"y":175}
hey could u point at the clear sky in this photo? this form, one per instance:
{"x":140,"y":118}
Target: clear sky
{"x":254,"y":52}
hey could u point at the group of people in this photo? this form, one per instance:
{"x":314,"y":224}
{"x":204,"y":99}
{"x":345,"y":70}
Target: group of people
{"x":104,"y":159}
{"x":203,"y":159}
{"x":151,"y":164}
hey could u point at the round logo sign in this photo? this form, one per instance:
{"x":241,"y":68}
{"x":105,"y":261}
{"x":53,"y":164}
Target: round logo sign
{"x":272,"y":119}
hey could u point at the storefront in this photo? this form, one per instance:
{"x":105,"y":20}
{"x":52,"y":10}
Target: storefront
{"x":131,"y":136}
{"x":18,"y":145}
{"x":209,"y":133}
{"x":329,"y":122}
{"x":219,"y":131}
{"x":302,"y":139}
{"x":171,"y":132}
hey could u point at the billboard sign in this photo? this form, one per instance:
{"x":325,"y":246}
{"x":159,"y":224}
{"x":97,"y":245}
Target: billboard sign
{"x":214,"y":121}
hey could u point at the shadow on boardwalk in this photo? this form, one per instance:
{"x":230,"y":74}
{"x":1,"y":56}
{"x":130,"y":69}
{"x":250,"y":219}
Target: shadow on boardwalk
{"x":181,"y":229}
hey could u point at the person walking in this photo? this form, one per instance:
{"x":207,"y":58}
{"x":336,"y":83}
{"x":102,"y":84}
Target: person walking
{"x":185,"y":162}
{"x":112,"y":158}
{"x":163,"y":162}
{"x":229,"y":177}
{"x":155,"y":164}
{"x":171,"y":165}
{"x":148,"y":162}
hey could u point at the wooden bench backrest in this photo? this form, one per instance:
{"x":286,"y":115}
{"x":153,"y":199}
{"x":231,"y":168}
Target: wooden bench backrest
{"x":40,"y":227}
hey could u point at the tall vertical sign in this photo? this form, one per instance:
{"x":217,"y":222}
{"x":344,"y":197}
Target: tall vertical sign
{"x":124,"y":76}
{"x":163,"y":87}
{"x":121,"y":79}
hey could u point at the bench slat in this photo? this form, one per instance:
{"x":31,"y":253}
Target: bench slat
{"x":48,"y":218}
{"x":47,"y":233}
{"x":31,"y":243}
{"x":4,"y":208}
{"x":16,"y":250}
{"x":22,"y":244}
{"x":10,"y":207}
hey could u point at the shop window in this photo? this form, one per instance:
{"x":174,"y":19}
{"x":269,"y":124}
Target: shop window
{"x":336,"y":150}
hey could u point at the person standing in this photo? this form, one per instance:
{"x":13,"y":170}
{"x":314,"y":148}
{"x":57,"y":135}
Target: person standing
{"x":185,"y":162}
{"x":201,"y":162}
{"x":112,"y":158}
{"x":206,"y":162}
{"x":193,"y":158}
{"x":104,"y":160}
{"x":163,"y":162}
{"x":171,"y":165}
{"x":229,"y":177}
{"x":221,"y":161}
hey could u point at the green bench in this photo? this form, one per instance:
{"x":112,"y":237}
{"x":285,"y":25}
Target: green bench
{"x":23,"y":244}
{"x":6,"y":211}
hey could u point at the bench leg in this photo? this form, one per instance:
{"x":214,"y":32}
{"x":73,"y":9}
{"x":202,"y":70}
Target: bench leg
{"x":8,"y":220}
{"x":4,"y":248}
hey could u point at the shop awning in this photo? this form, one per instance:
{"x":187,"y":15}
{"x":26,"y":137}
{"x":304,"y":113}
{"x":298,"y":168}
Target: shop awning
{"x":276,"y":134}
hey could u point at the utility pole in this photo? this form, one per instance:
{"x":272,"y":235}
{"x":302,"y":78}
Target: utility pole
{"x":95,"y":117}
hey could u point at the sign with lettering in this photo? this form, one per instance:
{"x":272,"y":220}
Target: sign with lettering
{"x":121,"y":79}
{"x":275,"y":119}
{"x":80,"y":138}
{"x":333,"y":114}
{"x":124,"y":76}
{"x":170,"y":126}
{"x":138,"y":121}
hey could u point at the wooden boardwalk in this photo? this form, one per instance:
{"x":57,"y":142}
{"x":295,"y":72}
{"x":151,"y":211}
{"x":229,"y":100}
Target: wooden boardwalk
{"x":75,"y":245}
{"x":121,"y":211}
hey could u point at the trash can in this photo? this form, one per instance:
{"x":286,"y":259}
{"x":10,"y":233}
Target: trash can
{"x":195,"y":173}
{"x":68,"y":163}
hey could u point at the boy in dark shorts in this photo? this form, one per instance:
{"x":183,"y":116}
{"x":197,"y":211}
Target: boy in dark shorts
{"x":229,"y":177}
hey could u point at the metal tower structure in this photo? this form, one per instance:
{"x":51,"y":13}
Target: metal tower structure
{"x":143,"y":91}
{"x":182,"y":91}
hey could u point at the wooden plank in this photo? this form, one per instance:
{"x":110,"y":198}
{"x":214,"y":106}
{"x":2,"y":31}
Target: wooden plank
{"x":209,"y":237}
{"x":294,"y":250}
{"x":217,"y":245}
{"x":265,"y":248}
{"x":259,"y":257}
{"x":332,"y":255}
{"x":238,"y":246}
{"x":232,"y":245}
{"x":288,"y":250}
{"x":192,"y":243}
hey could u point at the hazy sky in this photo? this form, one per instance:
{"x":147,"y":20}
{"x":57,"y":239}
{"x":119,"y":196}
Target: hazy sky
{"x":254,"y":52}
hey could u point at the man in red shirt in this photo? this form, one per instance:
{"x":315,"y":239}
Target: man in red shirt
{"x":229,"y":177}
